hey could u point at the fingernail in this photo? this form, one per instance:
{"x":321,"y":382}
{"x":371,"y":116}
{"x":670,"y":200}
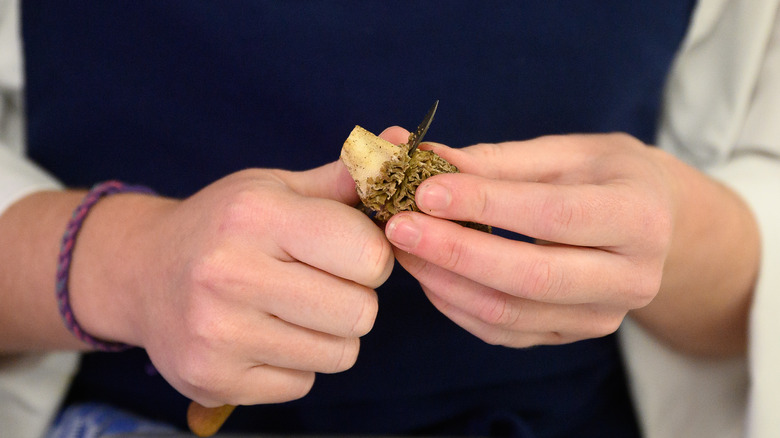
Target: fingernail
{"x":433,"y":197}
{"x":403,"y":232}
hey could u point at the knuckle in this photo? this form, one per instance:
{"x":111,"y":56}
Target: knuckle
{"x":204,"y":325}
{"x":604,"y":324}
{"x":278,"y":386}
{"x":239,"y":210}
{"x":560,"y":215}
{"x":489,"y":152}
{"x":511,"y":339}
{"x":206,"y":334}
{"x":557,"y":338}
{"x":625,"y":139}
{"x":646,"y":286}
{"x":648,"y":265}
{"x":619,"y":137}
{"x":489,"y":156}
{"x":610,"y":325}
{"x":347,"y":356}
{"x":299,"y":387}
{"x":207,"y":270}
{"x":484,"y":206}
{"x":659,"y":227}
{"x":453,"y":254}
{"x":368,"y":308}
{"x":200,"y":375}
{"x":540,"y":281}
{"x":499,"y":311}
{"x":376,"y":255}
{"x":495,"y":337}
{"x":207,"y":330}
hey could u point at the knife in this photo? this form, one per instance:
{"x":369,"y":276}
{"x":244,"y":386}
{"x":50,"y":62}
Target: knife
{"x":205,"y":421}
{"x":415,"y":138}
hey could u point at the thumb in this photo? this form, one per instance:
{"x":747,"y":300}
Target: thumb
{"x":331,"y":181}
{"x":395,"y":135}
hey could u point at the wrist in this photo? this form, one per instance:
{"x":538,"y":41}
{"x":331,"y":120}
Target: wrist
{"x":109,"y":265}
{"x":703,"y":303}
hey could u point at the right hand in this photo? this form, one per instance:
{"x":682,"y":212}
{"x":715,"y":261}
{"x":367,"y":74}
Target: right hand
{"x":255,"y":283}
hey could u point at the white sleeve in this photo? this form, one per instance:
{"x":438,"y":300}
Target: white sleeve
{"x":31,"y":385}
{"x":18,"y":176}
{"x":753,"y":170}
{"x":722,"y":114}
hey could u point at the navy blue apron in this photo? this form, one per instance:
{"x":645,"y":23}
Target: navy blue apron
{"x":176,"y":94}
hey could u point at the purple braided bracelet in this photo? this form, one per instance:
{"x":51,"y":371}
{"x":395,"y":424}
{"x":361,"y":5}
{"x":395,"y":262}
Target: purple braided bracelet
{"x":66,"y":253}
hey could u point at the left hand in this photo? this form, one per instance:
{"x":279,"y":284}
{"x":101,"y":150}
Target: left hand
{"x":602,"y":208}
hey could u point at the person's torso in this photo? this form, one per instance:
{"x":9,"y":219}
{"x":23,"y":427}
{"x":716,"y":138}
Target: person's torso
{"x":176,"y":94}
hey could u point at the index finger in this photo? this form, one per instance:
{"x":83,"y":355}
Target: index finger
{"x":582,"y":215}
{"x":335,"y":238}
{"x":565,"y":159}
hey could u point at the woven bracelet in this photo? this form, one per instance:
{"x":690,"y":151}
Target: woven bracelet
{"x":66,"y":253}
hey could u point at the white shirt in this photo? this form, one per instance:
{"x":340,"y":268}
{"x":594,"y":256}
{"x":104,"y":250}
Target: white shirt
{"x":721,"y":114}
{"x":32,"y":385}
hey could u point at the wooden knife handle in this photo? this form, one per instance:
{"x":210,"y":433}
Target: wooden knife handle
{"x":205,"y":421}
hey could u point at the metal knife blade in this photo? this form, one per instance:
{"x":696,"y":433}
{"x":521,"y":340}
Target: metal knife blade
{"x":415,"y":138}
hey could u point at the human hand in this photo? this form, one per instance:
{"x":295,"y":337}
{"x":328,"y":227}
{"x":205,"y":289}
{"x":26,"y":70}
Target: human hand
{"x":249,"y":287}
{"x":601,"y":206}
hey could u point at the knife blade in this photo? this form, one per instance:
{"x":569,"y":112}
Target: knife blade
{"x":415,"y":138}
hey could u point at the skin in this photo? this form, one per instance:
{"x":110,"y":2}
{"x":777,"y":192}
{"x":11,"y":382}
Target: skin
{"x":239,"y":294}
{"x":622,"y":228}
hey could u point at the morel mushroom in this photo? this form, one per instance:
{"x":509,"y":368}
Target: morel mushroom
{"x":386,"y":176}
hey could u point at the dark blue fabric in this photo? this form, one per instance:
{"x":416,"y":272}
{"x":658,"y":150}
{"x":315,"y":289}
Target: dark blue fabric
{"x":175,"y":94}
